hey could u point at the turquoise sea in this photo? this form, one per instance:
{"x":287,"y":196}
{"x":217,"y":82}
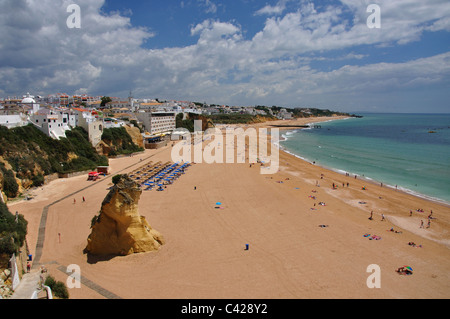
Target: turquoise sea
{"x":410,"y":151}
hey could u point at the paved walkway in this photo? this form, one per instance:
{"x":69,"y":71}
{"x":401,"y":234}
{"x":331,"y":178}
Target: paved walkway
{"x":28,"y":285}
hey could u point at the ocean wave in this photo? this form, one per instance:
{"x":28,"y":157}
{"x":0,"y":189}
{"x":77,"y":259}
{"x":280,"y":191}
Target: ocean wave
{"x":378,"y":160}
{"x":369,"y":179}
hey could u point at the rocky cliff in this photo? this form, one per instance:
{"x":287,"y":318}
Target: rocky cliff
{"x":119,"y":229}
{"x":120,"y":140}
{"x":135,"y":135}
{"x":27,"y":155}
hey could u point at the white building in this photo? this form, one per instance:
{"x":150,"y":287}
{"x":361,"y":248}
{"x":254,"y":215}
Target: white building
{"x":52,"y":123}
{"x":157,"y":122}
{"x":113,"y":123}
{"x":284,"y":115}
{"x":91,"y":123}
{"x":11,"y":121}
{"x":29,"y":101}
{"x":211,"y":111}
{"x":119,"y":105}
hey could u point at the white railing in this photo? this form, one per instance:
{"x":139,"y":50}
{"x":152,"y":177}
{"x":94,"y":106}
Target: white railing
{"x":49,"y":293}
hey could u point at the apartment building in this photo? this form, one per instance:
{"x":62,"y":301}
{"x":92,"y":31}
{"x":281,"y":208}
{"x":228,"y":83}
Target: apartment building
{"x":157,"y":122}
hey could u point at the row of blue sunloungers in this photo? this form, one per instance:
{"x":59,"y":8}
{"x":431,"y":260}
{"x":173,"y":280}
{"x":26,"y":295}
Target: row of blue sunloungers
{"x":159,"y":176}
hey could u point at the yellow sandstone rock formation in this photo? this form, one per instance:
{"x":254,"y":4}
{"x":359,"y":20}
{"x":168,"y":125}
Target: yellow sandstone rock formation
{"x":119,"y":229}
{"x":135,"y":135}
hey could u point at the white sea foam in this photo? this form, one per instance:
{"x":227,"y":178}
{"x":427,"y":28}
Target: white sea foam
{"x":368,"y":179}
{"x":384,"y":176}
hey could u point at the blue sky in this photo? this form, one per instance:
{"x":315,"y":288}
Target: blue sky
{"x":293,"y":53}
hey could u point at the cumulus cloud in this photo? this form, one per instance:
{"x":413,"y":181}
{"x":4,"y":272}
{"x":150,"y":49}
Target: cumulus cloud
{"x":277,"y":9}
{"x":36,"y":42}
{"x":106,"y":56}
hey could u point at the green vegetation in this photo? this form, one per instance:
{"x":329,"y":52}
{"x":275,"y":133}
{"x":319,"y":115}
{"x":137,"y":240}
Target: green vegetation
{"x":188,"y":123}
{"x":233,"y":118}
{"x":135,"y":123}
{"x":105,"y":100}
{"x":33,"y":155}
{"x":12,"y":232}
{"x":302,"y":112}
{"x":120,"y":141}
{"x":116,"y":178}
{"x":299,"y":112}
{"x":58,"y":288}
{"x":264,"y":108}
{"x":9,"y":184}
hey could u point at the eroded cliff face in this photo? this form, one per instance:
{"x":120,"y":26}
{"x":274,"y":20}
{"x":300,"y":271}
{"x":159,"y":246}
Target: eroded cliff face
{"x":135,"y":135}
{"x":119,"y":229}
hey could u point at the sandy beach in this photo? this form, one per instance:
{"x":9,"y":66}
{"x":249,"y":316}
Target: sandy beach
{"x":278,"y":216}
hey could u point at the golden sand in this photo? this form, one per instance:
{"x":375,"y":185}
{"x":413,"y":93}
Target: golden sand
{"x":289,"y":255}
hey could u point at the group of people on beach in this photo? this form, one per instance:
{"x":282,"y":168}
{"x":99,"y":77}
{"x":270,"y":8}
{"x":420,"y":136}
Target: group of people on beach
{"x":75,"y":201}
{"x":429,"y":218}
{"x":371,"y":216}
{"x":334,"y":186}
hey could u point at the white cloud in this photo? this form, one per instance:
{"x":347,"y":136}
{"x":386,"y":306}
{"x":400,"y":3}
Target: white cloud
{"x":41,"y":55}
{"x":210,"y":7}
{"x":277,"y":9}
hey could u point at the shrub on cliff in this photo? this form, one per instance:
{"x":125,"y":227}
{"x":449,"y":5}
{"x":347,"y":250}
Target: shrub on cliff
{"x":120,"y":141}
{"x":116,"y":178}
{"x":9,"y":185}
{"x":58,"y":288}
{"x":32,"y":154}
{"x":12,"y":232}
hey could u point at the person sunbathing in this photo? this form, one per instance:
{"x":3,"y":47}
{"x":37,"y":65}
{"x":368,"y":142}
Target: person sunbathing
{"x":404,"y":271}
{"x":395,"y":231}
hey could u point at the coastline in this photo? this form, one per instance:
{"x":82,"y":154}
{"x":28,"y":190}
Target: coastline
{"x":289,"y":256}
{"x":368,"y":180}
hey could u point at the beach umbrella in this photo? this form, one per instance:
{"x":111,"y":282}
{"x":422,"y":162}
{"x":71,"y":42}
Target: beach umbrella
{"x":218,"y":203}
{"x":408,"y":268}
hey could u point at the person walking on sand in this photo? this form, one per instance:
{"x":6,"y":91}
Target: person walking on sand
{"x":382,"y":217}
{"x":74,"y":201}
{"x":421,"y":224}
{"x":371,"y":215}
{"x":84,"y":199}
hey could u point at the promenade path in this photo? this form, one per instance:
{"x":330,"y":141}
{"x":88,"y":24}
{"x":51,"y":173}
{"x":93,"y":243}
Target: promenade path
{"x":28,"y":285}
{"x":30,"y":281}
